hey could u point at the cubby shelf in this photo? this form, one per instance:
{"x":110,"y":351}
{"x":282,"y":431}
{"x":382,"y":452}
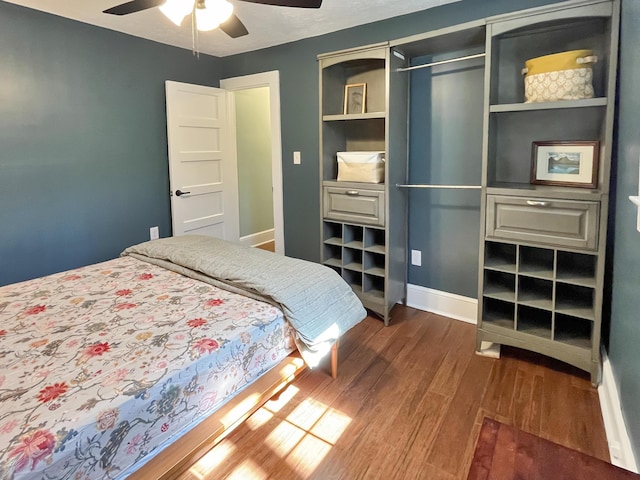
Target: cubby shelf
{"x":542,"y":269}
{"x":529,"y":107}
{"x":353,"y":116}
{"x":357,"y":217}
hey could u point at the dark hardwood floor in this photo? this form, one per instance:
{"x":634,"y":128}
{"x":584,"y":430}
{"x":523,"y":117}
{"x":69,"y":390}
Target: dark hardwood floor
{"x":408,"y":403}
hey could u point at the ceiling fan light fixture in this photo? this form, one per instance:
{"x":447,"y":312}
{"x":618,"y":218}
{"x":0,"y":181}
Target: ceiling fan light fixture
{"x":211,"y":13}
{"x":176,"y":10}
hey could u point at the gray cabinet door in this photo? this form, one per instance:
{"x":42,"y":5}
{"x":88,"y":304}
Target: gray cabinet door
{"x":354,"y":205}
{"x":549,"y":221}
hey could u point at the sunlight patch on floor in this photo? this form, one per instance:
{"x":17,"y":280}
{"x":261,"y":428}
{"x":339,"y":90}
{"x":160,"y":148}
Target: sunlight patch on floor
{"x":247,"y":470}
{"x":302,"y":439}
{"x":259,"y":418}
{"x":307,"y":455}
{"x":331,"y":426}
{"x":276,"y":403}
{"x":284,"y":438}
{"x":212,"y":459}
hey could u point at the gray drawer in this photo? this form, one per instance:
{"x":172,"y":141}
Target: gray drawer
{"x":553,"y":222}
{"x":354,"y":205}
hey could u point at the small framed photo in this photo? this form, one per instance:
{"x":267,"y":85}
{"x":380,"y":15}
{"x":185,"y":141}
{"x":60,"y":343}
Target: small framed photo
{"x":568,"y":164}
{"x":355,"y":96}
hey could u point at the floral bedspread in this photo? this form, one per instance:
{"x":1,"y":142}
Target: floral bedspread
{"x":101,"y":365}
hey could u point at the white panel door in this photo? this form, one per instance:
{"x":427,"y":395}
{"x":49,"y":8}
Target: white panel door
{"x":202,"y":162}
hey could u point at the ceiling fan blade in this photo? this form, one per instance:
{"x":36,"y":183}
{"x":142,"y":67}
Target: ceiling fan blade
{"x":234,"y":27}
{"x":133,"y":6}
{"x":289,"y":3}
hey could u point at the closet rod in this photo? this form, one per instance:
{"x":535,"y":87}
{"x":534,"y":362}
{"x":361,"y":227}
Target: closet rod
{"x":442,"y":62}
{"x":458,"y":187}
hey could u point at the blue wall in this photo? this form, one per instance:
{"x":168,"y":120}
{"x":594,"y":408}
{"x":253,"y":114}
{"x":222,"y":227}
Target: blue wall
{"x":83,"y":147}
{"x":624,"y":341}
{"x":83,"y":161}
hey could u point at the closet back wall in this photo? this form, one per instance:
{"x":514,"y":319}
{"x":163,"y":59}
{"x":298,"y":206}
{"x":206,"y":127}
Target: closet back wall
{"x":83,"y":144}
{"x":445,"y":148}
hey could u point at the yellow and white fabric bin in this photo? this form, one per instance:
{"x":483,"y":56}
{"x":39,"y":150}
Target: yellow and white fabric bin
{"x":561,"y":76}
{"x":365,"y":167}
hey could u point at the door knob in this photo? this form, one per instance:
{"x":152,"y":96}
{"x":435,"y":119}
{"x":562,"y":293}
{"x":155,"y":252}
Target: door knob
{"x":180,"y":192}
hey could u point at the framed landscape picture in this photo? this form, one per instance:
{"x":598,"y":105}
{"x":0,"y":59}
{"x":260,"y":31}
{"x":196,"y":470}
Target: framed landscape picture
{"x":566,"y":163}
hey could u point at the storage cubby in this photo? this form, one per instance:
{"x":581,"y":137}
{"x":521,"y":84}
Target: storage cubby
{"x":513,"y":133}
{"x":535,"y":292}
{"x":549,"y":236}
{"x":352,"y":259}
{"x":498,"y":313}
{"x":371,"y":71}
{"x":573,"y":331}
{"x":354,"y":279}
{"x":374,"y":288}
{"x":500,"y":256}
{"x":577,"y":268}
{"x":512,"y":49}
{"x":575,"y":301}
{"x":536,"y":262}
{"x":353,"y":235}
{"x":332,"y":233}
{"x":374,"y":240}
{"x":332,"y":255}
{"x":534,"y":321}
{"x":374,"y":264}
{"x":501,"y":286}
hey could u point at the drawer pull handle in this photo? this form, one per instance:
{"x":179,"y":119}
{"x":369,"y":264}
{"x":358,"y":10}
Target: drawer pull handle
{"x":537,"y":203}
{"x":353,"y":193}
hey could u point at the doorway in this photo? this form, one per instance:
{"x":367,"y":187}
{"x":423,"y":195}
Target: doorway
{"x":255,"y":106}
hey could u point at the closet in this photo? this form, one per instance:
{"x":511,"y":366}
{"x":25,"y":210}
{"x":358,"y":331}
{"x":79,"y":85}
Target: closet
{"x":445,"y":134}
{"x":468,"y":181}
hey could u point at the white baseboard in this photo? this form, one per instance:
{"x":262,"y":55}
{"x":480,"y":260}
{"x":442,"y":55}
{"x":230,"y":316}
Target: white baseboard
{"x":620,"y":449}
{"x":443,"y":303}
{"x":259,"y":238}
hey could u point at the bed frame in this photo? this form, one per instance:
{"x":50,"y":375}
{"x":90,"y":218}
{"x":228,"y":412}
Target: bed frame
{"x":174,"y":459}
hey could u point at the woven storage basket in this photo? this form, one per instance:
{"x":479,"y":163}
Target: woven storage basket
{"x":361,"y":167}
{"x":561,"y":76}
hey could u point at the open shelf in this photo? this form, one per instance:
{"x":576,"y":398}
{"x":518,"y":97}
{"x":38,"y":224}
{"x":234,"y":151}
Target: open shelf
{"x":534,"y":321}
{"x":573,"y":331}
{"x":500,"y":256}
{"x":577,"y":269}
{"x":529,"y":107}
{"x":500,"y":286}
{"x":536,"y":262}
{"x":535,"y":292}
{"x":499,"y":313}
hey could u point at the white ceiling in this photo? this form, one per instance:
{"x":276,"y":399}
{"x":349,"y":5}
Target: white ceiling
{"x":267,"y":25}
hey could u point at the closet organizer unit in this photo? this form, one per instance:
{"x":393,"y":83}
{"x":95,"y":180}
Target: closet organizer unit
{"x":364,"y":224}
{"x":542,"y":266}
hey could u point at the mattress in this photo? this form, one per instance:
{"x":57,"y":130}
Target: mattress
{"x":101,"y":365}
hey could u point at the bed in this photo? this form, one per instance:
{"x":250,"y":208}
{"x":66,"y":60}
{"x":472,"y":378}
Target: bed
{"x":102,"y":368}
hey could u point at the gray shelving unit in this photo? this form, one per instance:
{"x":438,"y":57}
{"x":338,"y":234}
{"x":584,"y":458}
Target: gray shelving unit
{"x":364,"y":225}
{"x":542,"y":266}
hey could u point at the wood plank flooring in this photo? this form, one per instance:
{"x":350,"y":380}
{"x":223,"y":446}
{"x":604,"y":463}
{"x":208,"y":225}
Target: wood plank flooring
{"x":408,"y":403}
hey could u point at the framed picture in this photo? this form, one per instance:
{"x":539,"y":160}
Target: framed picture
{"x":355,"y":96}
{"x":568,"y":164}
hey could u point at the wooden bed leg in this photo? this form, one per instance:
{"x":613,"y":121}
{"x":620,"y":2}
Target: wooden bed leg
{"x":334,"y":359}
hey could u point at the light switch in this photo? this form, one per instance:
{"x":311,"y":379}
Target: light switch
{"x":296,"y":158}
{"x":416,"y":258}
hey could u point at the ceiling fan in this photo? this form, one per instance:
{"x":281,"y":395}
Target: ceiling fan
{"x":208,"y":14}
